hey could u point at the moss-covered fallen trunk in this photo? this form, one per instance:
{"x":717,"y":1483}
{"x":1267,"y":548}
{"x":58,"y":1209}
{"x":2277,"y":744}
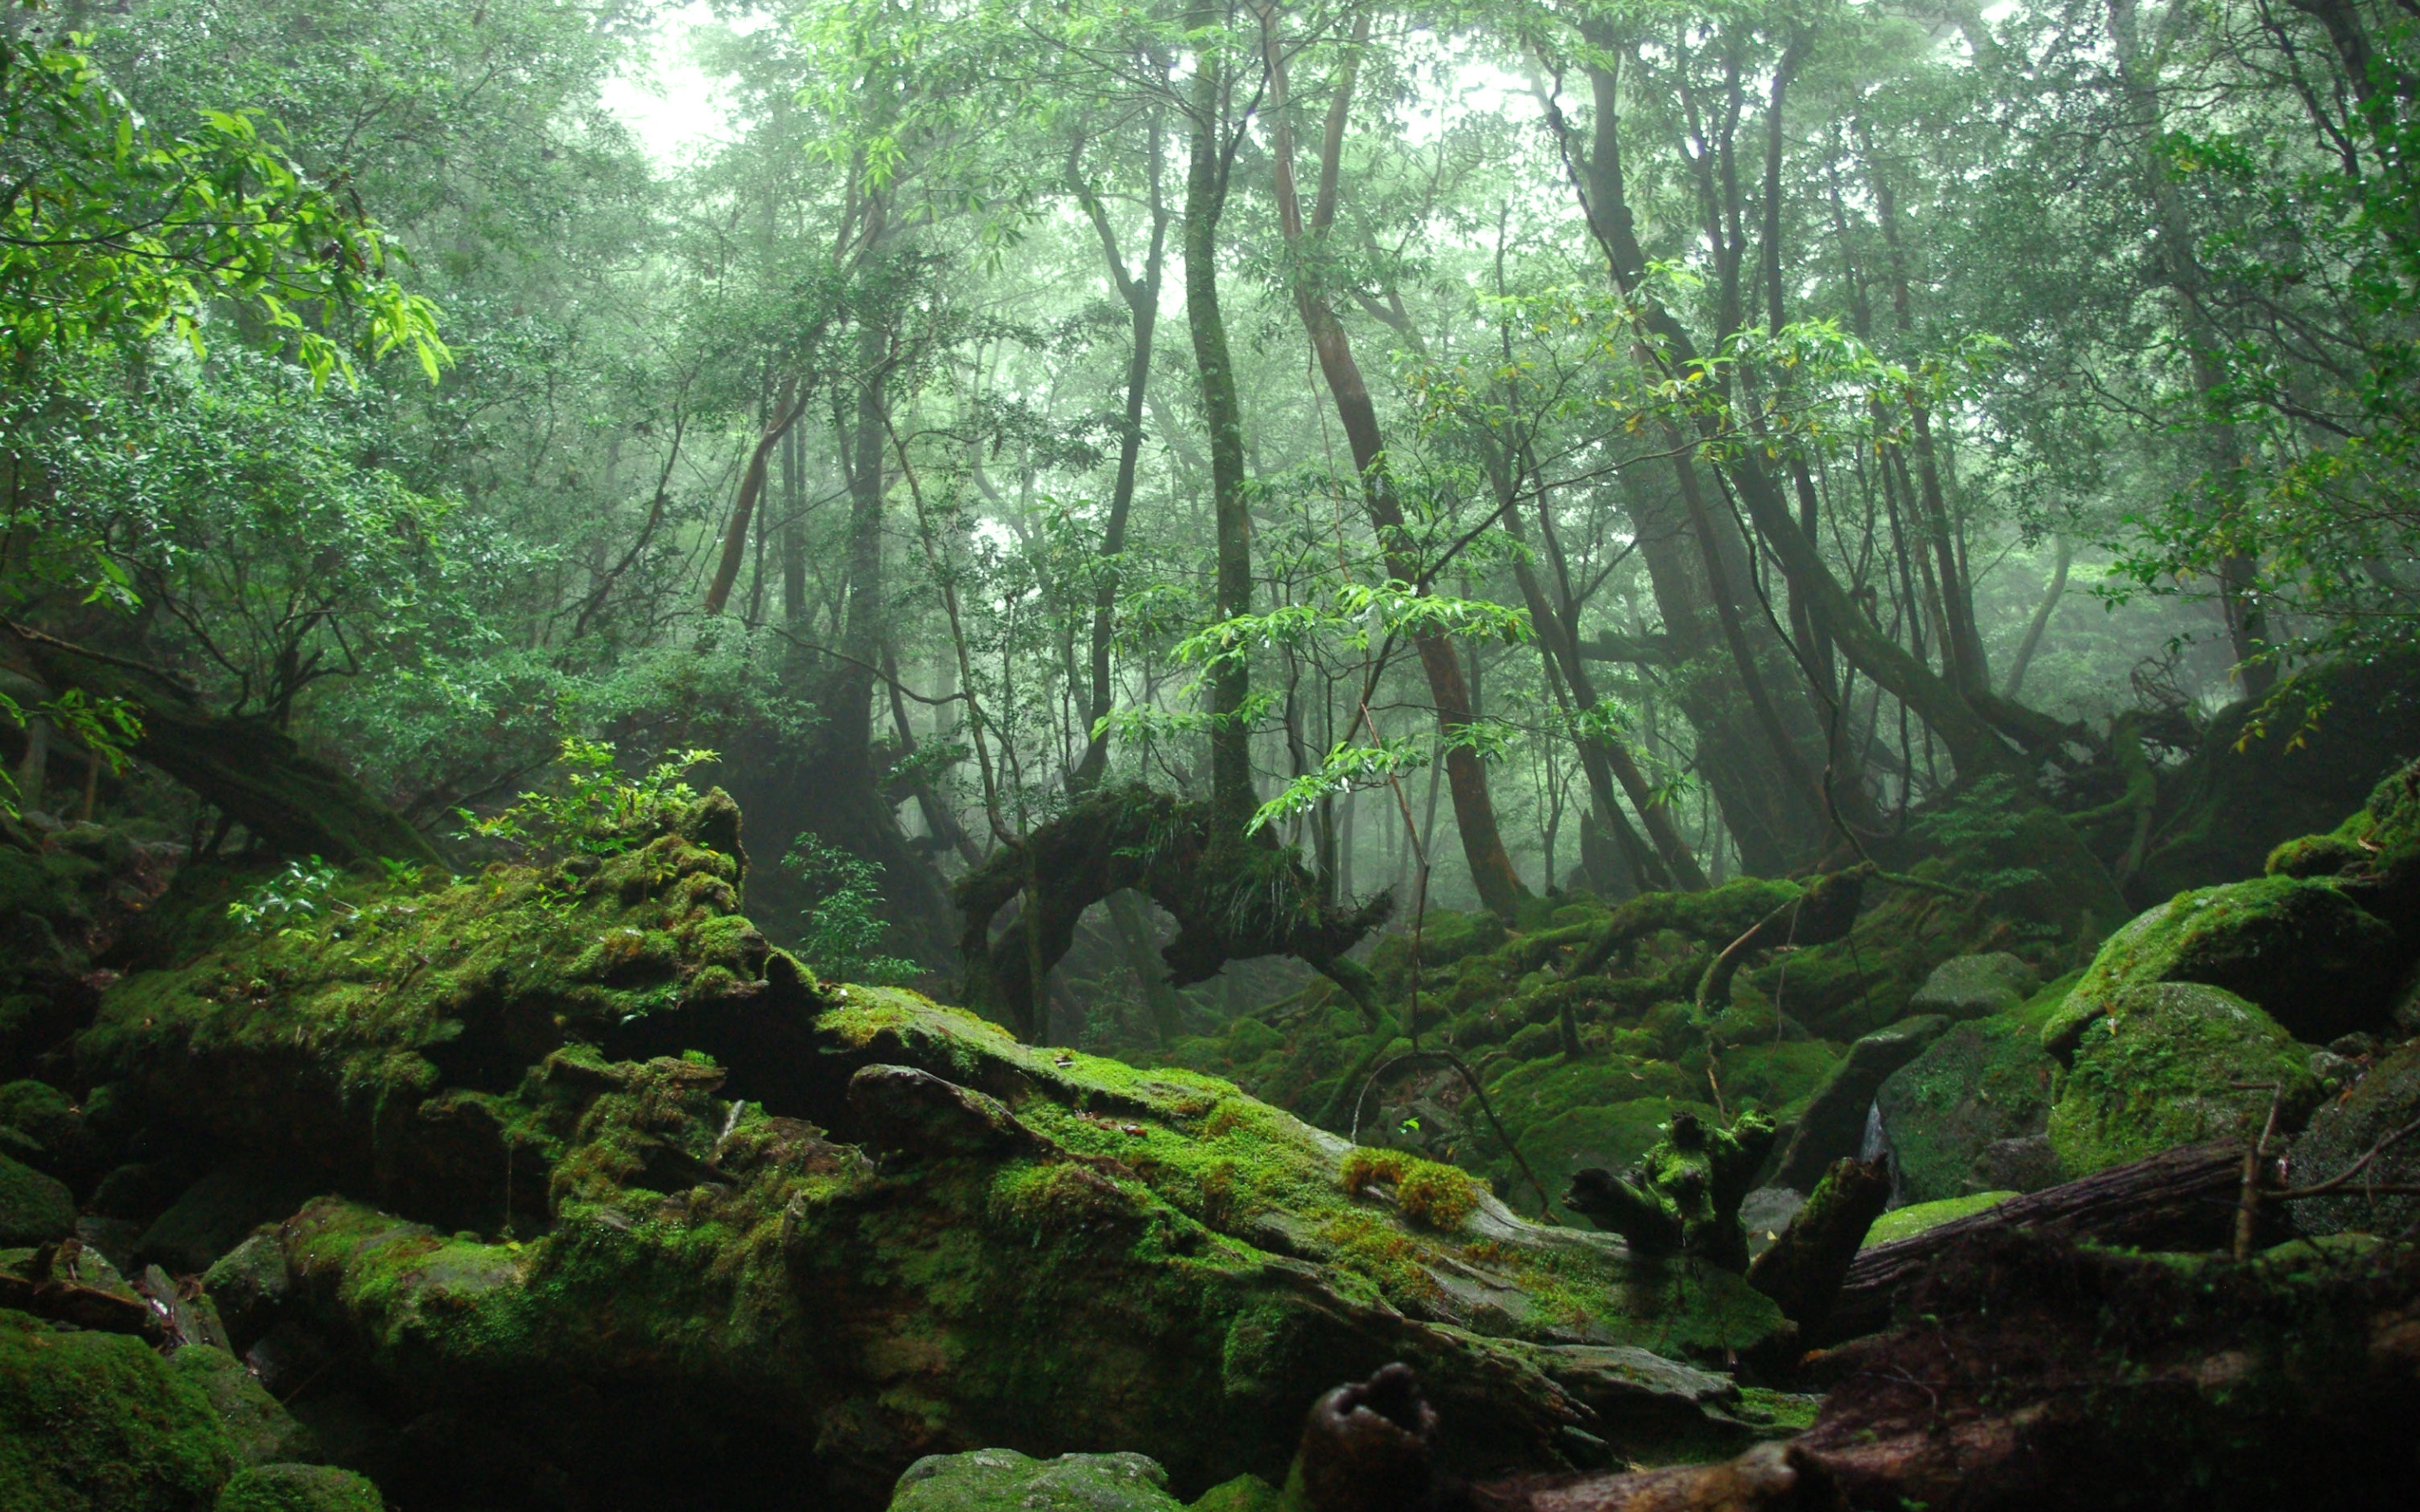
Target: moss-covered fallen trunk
{"x":614,"y":1182}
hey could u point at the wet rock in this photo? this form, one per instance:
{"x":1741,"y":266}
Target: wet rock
{"x":1833,"y":1125}
{"x":1974,"y":1087}
{"x":250,"y":1283}
{"x":2173,"y":1065}
{"x":299,"y":1489}
{"x":35,"y":1209}
{"x":2027,"y":1165}
{"x":2384,"y":1101}
{"x":213,"y":1215}
{"x":1975,"y":986}
{"x":1003,"y":1480}
{"x":1767,"y":1212}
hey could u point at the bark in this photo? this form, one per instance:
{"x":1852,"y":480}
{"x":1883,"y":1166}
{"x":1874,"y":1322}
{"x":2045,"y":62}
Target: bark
{"x":783,"y":413}
{"x":2181,"y":1199}
{"x":1490,"y":868}
{"x":252,"y":771}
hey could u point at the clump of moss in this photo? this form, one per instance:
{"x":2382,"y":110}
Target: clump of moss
{"x":99,"y":1423}
{"x":1441,"y":1196}
{"x":2174,"y":1064}
{"x":1914,"y":1219}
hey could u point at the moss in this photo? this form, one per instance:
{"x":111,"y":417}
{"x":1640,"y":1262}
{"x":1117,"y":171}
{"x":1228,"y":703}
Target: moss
{"x":1906,"y":1222}
{"x":300,"y":1488}
{"x":34,"y":1208}
{"x":1981,"y":1082}
{"x":1245,"y":1493}
{"x":99,"y":1423}
{"x":257,"y":1425}
{"x":2303,"y":950}
{"x":1440,"y":1197}
{"x":2170,"y":1064}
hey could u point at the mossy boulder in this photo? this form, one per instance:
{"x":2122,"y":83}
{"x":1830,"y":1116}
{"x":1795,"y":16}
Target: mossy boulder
{"x":1975,"y":986}
{"x":300,"y":1488}
{"x":589,"y":1140}
{"x":66,"y":1145}
{"x":2174,"y":1064}
{"x":1002,"y":1480}
{"x":255,"y":1425}
{"x":1833,"y":1127}
{"x":102,"y":1422}
{"x":1976,"y":1085}
{"x":2302,"y":949}
{"x":2386,"y":1100}
{"x":34,"y":1208}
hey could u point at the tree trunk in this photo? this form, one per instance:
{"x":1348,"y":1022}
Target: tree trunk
{"x":1232,"y":795}
{"x":1483,"y":843}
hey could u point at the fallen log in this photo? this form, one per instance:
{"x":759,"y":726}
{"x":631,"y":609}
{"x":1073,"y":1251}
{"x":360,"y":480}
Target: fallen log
{"x":2179,"y":1199}
{"x":252,"y":770}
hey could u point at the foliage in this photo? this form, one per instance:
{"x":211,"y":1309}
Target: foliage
{"x":598,"y":810}
{"x":841,"y":934}
{"x":300,"y":891}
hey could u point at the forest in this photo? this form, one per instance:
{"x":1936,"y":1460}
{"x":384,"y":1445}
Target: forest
{"x":1222,"y":756}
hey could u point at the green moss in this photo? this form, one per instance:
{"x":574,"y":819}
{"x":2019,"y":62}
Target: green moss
{"x":300,"y":1488}
{"x":99,"y":1423}
{"x":1981,"y":1082}
{"x":1245,"y":1493}
{"x":34,"y":1208}
{"x":1906,"y":1222}
{"x":2170,"y":1064}
{"x":1440,"y":1197}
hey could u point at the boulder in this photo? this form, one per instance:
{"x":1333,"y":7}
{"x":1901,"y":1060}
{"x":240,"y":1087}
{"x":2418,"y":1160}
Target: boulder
{"x":1974,"y":1087}
{"x":99,"y":1423}
{"x":213,"y":1215}
{"x":300,"y":1488}
{"x":1833,"y":1125}
{"x":2171,"y":1065}
{"x":634,"y":1206}
{"x":2383,"y":1101}
{"x":35,"y":1209}
{"x":257,"y":1428}
{"x":65,"y":1147}
{"x":2302,"y":950}
{"x":1975,"y":986}
{"x":1003,"y":1480}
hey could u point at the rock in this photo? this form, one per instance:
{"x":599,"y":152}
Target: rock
{"x":101,"y":1423}
{"x":257,"y":1425}
{"x":2172,"y":1065}
{"x":2027,"y":1165}
{"x":213,"y":1215}
{"x":299,"y":1489}
{"x":249,"y":1284}
{"x":1002,"y":1480}
{"x":55,"y":1126}
{"x":1975,"y":986}
{"x":2303,"y":950}
{"x":1974,"y":1087}
{"x":900,"y":1108}
{"x":2342,"y":1132}
{"x":1833,"y":1125}
{"x":1767,"y":1212}
{"x":35,"y":1209}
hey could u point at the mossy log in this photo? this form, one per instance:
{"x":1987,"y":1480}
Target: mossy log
{"x":1235,"y":898}
{"x":2181,"y":1199}
{"x":252,"y":770}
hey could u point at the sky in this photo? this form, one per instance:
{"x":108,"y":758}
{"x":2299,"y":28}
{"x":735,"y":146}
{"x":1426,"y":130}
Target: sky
{"x":668,"y":102}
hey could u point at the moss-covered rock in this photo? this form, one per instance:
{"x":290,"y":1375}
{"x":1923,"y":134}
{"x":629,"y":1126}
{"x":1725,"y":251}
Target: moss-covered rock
{"x":2302,"y":950}
{"x":1976,"y":1085}
{"x":34,"y":1208}
{"x":67,"y":1146}
{"x":2386,"y":1100}
{"x":1975,"y":986}
{"x":2172,"y":1064}
{"x":257,"y":1425}
{"x":597,"y":1144}
{"x":1002,"y":1480}
{"x":101,"y":1423}
{"x":300,"y":1488}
